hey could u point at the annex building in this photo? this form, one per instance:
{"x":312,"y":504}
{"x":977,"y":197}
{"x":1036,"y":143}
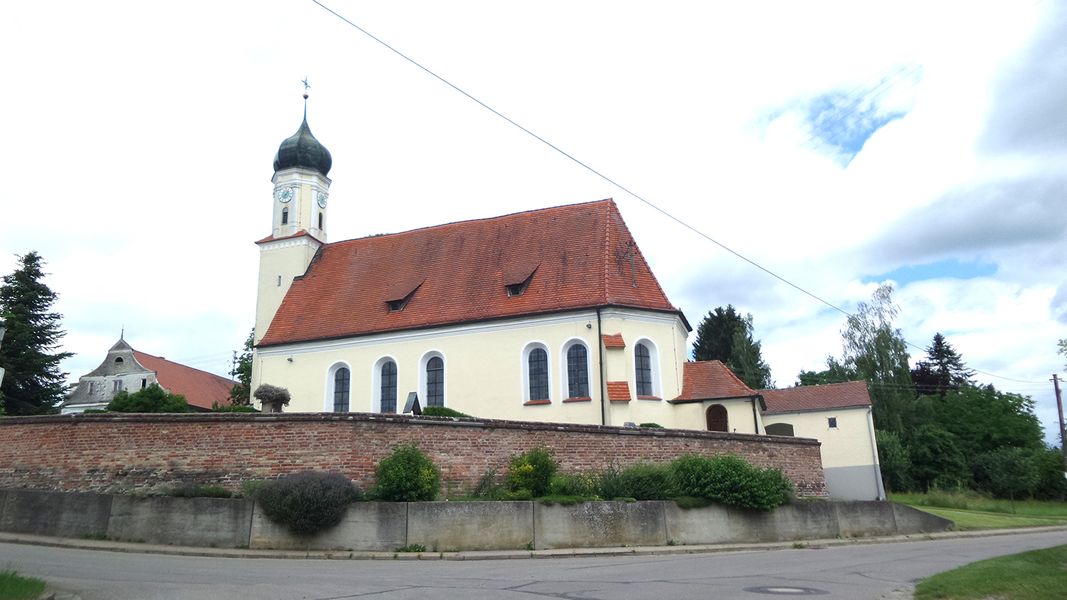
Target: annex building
{"x":548,"y":315}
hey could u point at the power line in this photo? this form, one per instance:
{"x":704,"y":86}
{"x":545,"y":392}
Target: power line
{"x":611,"y":181}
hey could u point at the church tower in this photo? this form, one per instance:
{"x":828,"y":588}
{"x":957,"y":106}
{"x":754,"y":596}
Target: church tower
{"x":299,"y":219}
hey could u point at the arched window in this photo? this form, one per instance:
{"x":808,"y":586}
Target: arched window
{"x":717,"y":419}
{"x":537,"y":363}
{"x":435,"y":382}
{"x":388,"y":387}
{"x":577,"y":371}
{"x":285,"y":216}
{"x":643,"y":369}
{"x":320,"y":220}
{"x":342,"y":380}
{"x":780,"y":429}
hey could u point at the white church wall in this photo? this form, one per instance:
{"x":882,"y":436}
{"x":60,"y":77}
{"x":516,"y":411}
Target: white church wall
{"x":485,"y":367}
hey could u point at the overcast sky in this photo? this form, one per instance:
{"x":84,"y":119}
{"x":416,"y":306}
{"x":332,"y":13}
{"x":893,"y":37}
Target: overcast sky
{"x":838,"y":144}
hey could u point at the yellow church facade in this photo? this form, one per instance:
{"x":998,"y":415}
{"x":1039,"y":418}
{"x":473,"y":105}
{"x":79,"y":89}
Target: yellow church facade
{"x":548,"y":315}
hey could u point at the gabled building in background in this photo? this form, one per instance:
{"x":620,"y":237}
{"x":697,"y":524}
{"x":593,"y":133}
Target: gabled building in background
{"x":545,"y":315}
{"x":130,"y":370}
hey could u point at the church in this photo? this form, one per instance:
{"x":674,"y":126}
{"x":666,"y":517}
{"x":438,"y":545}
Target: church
{"x":549,"y":315}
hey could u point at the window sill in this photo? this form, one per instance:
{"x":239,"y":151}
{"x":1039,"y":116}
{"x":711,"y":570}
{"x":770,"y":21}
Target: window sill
{"x":656,"y":398}
{"x":578,"y":399}
{"x":536,"y":402}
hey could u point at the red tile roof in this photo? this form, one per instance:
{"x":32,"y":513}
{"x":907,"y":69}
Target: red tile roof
{"x":619,"y":391}
{"x":710,"y":379}
{"x":200,"y":388}
{"x":581,"y":256}
{"x":613,"y":341}
{"x":817,"y":397}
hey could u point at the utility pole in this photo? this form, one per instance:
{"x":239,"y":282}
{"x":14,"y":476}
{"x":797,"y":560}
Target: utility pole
{"x":1059,"y":407}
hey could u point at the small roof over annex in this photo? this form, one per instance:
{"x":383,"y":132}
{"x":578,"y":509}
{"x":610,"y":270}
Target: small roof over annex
{"x":571,"y":257}
{"x":711,"y":380}
{"x":852,"y":394}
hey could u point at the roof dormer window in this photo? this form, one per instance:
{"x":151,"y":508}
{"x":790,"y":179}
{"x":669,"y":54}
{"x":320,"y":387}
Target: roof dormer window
{"x":517,"y":278}
{"x":400,"y":293}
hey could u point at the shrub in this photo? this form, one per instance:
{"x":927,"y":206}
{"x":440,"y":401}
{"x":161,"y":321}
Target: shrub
{"x":651,"y":425}
{"x":233,"y":408}
{"x":307,"y":502}
{"x":406,"y":475}
{"x":573,"y":485}
{"x":730,"y":480}
{"x":609,"y":483}
{"x":532,"y":470}
{"x":200,"y":491}
{"x":644,"y":481}
{"x":152,"y":399}
{"x":442,"y":411}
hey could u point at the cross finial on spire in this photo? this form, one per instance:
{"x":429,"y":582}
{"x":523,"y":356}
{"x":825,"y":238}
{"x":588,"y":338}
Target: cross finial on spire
{"x":122,"y":332}
{"x":307,"y":86}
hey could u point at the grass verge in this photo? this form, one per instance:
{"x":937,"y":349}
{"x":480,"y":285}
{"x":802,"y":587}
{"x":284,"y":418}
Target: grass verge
{"x":1037,"y":575}
{"x":16,"y":587}
{"x":974,"y":511}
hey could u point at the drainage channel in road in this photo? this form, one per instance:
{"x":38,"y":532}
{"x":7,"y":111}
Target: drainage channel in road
{"x":781,"y":590}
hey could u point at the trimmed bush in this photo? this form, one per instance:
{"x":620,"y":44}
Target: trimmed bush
{"x":308,"y":502}
{"x":651,"y":425}
{"x":442,"y":411}
{"x":730,"y":480}
{"x":533,"y":471}
{"x":406,"y":475}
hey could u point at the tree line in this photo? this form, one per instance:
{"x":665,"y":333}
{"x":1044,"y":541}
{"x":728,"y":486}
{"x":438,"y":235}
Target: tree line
{"x":936,"y":428}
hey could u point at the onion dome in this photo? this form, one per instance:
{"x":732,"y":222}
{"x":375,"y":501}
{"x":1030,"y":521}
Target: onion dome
{"x":304,"y":151}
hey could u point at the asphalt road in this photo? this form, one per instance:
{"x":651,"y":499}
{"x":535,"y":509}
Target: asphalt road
{"x":854,"y":572}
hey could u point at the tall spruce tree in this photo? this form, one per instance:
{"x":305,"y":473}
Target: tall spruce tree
{"x":726,"y":336}
{"x":33,"y":383}
{"x":942,"y":371}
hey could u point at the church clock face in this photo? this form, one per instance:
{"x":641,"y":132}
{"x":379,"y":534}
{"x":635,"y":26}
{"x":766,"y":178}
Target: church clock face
{"x":321,"y":200}
{"x":284,"y":195}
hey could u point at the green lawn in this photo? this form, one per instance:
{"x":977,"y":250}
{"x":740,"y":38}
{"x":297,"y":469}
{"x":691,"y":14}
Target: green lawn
{"x":973,"y":511}
{"x":16,"y":587}
{"x":1037,"y":575}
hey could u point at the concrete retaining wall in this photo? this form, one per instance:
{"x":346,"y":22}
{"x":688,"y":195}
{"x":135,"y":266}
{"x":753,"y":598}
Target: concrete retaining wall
{"x":447,"y":526}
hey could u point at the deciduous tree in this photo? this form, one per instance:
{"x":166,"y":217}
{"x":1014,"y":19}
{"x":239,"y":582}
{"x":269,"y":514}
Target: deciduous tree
{"x":33,"y":382}
{"x":152,"y":399}
{"x":875,"y":350}
{"x":241,"y":392}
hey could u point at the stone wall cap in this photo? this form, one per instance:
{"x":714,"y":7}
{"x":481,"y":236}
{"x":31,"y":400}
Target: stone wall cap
{"x":419,"y":420}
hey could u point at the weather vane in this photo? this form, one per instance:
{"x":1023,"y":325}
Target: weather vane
{"x":307,"y":86}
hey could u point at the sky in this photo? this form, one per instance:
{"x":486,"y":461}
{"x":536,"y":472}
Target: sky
{"x":837,"y":144}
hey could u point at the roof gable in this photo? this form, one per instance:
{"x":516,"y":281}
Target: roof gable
{"x":851,"y":394}
{"x":575,"y":256}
